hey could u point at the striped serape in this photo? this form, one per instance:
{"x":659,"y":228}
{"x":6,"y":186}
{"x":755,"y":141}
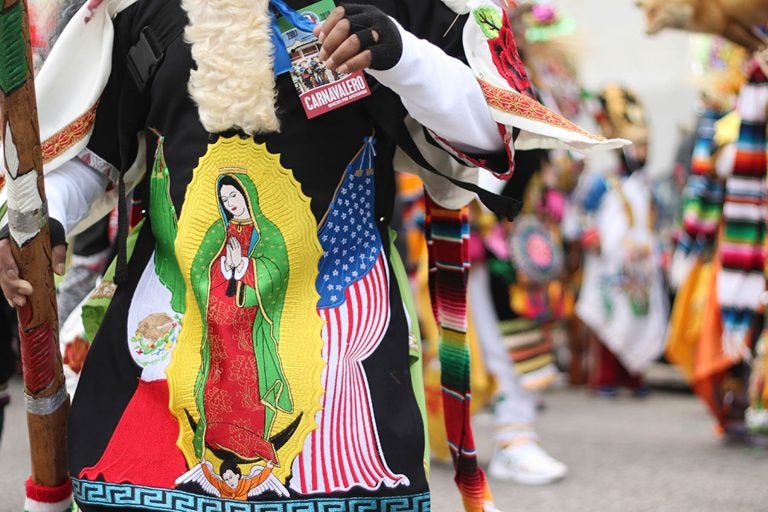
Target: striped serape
{"x":741,"y":282}
{"x":704,"y":192}
{"x":448,"y":243}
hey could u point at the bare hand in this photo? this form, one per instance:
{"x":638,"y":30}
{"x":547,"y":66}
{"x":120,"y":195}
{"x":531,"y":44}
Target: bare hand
{"x":15,"y":289}
{"x":228,"y":257}
{"x":341,"y":50}
{"x":235,"y":252}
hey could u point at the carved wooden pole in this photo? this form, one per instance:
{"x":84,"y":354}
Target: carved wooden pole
{"x":47,"y":401}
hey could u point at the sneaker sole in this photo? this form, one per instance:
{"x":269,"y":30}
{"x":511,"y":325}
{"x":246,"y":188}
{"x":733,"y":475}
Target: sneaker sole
{"x":524,"y":478}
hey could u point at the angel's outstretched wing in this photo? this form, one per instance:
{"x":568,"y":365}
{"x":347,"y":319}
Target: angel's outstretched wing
{"x":270,"y":484}
{"x":196,"y":475}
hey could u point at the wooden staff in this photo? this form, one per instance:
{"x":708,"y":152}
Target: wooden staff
{"x":47,"y":402}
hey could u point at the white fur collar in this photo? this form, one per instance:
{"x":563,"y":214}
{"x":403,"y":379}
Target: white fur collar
{"x":234,"y":83}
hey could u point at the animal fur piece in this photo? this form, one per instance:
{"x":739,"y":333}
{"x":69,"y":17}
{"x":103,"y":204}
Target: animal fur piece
{"x":233,"y":85}
{"x":733,"y":19}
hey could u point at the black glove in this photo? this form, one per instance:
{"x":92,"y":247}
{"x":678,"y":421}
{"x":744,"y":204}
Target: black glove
{"x":55,"y":227}
{"x":363,"y":21}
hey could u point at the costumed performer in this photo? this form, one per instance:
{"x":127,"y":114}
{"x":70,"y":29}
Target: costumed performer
{"x":623,"y":299}
{"x":296,"y":293}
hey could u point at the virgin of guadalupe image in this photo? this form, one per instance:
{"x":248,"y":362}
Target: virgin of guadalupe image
{"x":239,"y":275}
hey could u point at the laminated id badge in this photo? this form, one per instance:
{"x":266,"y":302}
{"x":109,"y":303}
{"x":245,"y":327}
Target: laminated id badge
{"x":320,"y":89}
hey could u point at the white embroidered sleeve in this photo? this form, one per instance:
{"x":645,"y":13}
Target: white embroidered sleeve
{"x":442,"y":94}
{"x":70,"y":190}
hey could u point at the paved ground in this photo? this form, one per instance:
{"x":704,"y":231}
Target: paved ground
{"x":624,"y":455}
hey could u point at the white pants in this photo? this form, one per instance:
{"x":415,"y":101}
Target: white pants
{"x":514,"y":406}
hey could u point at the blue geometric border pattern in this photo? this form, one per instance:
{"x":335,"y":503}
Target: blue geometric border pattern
{"x":148,"y":498}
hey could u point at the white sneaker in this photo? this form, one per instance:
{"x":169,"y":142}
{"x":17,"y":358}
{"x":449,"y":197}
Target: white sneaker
{"x":526,"y":464}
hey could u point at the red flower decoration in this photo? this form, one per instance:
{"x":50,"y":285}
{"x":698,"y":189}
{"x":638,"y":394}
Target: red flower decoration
{"x":507,"y":59}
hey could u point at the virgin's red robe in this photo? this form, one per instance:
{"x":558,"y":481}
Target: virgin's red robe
{"x":232,"y":386}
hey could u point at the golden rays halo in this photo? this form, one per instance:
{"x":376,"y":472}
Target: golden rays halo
{"x":300,"y":344}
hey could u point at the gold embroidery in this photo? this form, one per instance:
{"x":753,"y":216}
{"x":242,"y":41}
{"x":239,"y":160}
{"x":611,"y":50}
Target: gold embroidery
{"x":523,"y":106}
{"x":69,"y":135}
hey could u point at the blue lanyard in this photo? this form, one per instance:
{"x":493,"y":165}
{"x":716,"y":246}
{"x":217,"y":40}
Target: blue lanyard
{"x":282,"y":58}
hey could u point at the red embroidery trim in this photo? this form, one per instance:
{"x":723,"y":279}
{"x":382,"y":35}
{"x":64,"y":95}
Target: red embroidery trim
{"x":523,"y":106}
{"x":68,"y":136}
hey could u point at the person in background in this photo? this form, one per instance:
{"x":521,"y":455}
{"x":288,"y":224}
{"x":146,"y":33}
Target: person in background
{"x":623,"y":299}
{"x":505,"y":333}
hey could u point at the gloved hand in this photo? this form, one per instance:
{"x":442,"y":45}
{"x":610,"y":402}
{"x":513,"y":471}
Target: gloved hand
{"x":356,"y":37}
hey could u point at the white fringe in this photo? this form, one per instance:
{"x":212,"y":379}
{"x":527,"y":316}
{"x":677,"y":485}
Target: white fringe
{"x":234,"y":83}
